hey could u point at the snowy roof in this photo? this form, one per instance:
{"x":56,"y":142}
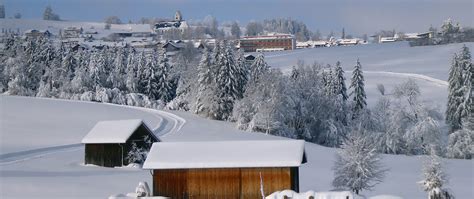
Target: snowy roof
{"x":115,"y":131}
{"x":225,"y":154}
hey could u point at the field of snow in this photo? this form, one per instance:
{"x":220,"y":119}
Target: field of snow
{"x":30,"y":166}
{"x":388,"y":64}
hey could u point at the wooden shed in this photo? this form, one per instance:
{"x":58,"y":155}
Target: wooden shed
{"x":109,"y":142}
{"x":225,"y":169}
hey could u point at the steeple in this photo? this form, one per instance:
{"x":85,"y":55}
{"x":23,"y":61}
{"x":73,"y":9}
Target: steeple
{"x":178,"y":16}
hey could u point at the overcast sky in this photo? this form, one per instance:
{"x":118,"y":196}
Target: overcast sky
{"x":356,"y":16}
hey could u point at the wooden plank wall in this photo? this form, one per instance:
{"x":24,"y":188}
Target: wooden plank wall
{"x":107,"y":155}
{"x":220,"y":183}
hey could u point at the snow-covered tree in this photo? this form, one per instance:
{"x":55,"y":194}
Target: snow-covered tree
{"x":258,"y":68}
{"x":461,"y":144}
{"x":358,"y":94}
{"x":131,"y":76}
{"x":226,"y":82}
{"x":48,"y":14}
{"x":424,"y":137}
{"x":340,"y":82}
{"x":434,"y":178}
{"x":242,"y":74}
{"x":357,"y":165}
{"x":116,"y":77}
{"x":206,"y":85}
{"x":163,"y":78}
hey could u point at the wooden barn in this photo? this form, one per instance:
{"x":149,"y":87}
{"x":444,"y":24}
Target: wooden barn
{"x":109,"y":142}
{"x":225,"y":169}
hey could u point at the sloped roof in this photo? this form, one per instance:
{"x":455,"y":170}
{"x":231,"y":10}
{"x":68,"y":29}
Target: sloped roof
{"x":225,"y":154}
{"x":114,"y":131}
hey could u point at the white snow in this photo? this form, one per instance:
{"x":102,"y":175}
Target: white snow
{"x":311,"y":194}
{"x":225,"y":154}
{"x":34,"y":163}
{"x":114,"y":131}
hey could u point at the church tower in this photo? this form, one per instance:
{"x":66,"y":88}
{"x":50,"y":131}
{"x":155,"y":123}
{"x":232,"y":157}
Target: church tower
{"x":178,"y":16}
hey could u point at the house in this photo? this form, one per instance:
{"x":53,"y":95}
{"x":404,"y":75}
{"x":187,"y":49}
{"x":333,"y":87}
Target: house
{"x":173,"y":46}
{"x":71,"y":32}
{"x":347,"y":42}
{"x":109,"y":142}
{"x":249,"y":59}
{"x":225,"y":169}
{"x":266,"y":43}
{"x":37,"y":34}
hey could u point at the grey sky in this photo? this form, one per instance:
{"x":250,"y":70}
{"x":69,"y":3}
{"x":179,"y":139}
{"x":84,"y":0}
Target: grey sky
{"x":357,"y":16}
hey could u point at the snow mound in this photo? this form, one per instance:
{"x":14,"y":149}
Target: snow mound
{"x":310,"y":194}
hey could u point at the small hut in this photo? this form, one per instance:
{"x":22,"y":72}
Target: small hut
{"x":225,"y":169}
{"x":109,"y":142}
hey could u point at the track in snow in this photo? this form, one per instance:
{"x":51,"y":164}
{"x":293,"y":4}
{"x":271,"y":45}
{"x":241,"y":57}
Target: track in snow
{"x":170,"y":124}
{"x":438,"y":82}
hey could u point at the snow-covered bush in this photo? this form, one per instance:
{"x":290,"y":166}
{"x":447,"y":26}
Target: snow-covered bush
{"x":434,"y":178}
{"x":461,"y":145}
{"x":136,"y":154}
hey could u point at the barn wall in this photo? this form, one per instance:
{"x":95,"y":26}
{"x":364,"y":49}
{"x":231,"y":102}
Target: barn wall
{"x":221,"y":183}
{"x":107,"y":155}
{"x":138,"y":138}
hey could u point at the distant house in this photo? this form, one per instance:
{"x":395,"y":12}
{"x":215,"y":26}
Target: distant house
{"x":173,"y":46}
{"x":225,"y":169}
{"x":249,"y":59}
{"x":71,"y":32}
{"x":109,"y":142}
{"x":37,"y":34}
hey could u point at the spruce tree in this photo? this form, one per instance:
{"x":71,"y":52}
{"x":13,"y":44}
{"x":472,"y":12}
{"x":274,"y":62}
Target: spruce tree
{"x":455,"y":95}
{"x":164,"y":84}
{"x":258,"y":68}
{"x":206,"y":84}
{"x":242,"y":74}
{"x":131,"y":76}
{"x":358,"y":93}
{"x":340,"y":82}
{"x":226,"y":79}
{"x":467,"y":79}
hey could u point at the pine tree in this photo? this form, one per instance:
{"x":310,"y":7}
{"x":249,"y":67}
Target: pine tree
{"x":465,"y":63}
{"x":340,"y":82}
{"x":151,"y":77}
{"x":359,"y":96}
{"x":227,"y":88}
{"x":357,"y":165}
{"x":434,"y":177}
{"x":95,"y":69}
{"x":131,"y":76}
{"x":117,"y":74}
{"x":242,"y":74}
{"x":455,"y":94}
{"x":258,"y":68}
{"x":164,"y":84}
{"x":206,"y":84}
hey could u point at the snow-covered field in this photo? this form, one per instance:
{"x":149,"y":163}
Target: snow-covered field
{"x":388,"y":64}
{"x":34,"y":124}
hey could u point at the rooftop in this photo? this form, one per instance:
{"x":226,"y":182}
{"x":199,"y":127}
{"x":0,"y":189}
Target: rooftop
{"x":225,"y":154}
{"x":115,"y":131}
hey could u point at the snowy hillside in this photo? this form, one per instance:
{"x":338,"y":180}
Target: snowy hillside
{"x":32,"y":166}
{"x":388,"y":64}
{"x":55,"y":26}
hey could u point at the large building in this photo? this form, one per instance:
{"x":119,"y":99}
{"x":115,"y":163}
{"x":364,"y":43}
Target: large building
{"x":274,"y":42}
{"x":225,"y":169}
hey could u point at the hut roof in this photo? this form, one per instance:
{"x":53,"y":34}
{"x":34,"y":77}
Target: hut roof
{"x":115,"y":131}
{"x":225,"y":154}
